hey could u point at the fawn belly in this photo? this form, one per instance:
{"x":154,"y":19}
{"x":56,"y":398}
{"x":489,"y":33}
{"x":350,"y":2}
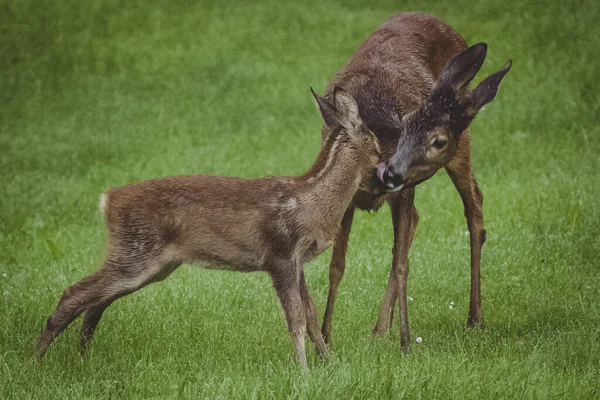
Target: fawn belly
{"x":230,"y":242}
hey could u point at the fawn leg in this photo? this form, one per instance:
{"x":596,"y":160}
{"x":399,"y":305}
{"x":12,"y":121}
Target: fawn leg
{"x":337,"y":266}
{"x":404,"y":216}
{"x":92,"y":315}
{"x":95,"y":293}
{"x":286,"y":283}
{"x":312,"y":320}
{"x":74,"y":300}
{"x":460,"y":170}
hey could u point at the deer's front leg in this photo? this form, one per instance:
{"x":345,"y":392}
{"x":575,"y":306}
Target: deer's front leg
{"x":405,"y":219}
{"x":312,"y":320}
{"x":287,"y":285}
{"x":461,"y":173}
{"x":391,"y":292}
{"x":337,"y":266}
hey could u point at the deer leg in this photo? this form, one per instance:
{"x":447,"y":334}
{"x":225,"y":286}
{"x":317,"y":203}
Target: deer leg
{"x":391,"y":291}
{"x":312,"y":320}
{"x":286,"y":283}
{"x":404,"y":218}
{"x":94,"y":294}
{"x":386,"y":312}
{"x":337,"y":266}
{"x":91,"y":317}
{"x":461,"y":172}
{"x":74,"y":300}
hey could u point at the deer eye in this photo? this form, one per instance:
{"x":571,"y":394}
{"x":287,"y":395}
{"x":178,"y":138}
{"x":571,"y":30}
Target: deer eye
{"x":439,"y":143}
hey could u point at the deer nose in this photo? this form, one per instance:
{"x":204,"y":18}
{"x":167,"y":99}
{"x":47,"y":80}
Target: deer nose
{"x":391,"y":178}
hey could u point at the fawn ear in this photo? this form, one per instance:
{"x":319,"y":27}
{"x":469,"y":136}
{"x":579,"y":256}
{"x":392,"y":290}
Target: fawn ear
{"x":487,"y":89}
{"x":326,"y":109}
{"x":346,"y":108}
{"x":462,"y":68}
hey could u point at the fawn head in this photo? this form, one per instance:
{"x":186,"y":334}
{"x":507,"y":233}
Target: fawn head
{"x":341,"y":117}
{"x":431,"y":133}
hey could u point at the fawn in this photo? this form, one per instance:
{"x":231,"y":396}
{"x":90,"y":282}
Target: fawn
{"x":272,"y":224}
{"x":410,"y":79}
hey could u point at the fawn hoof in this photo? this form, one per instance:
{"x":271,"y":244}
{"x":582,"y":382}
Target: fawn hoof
{"x":83,"y":346}
{"x":46,"y":337}
{"x":323,"y":354}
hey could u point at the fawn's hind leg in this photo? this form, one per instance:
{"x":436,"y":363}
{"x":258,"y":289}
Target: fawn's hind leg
{"x":92,"y":315}
{"x":95,"y":293}
{"x":74,"y":300}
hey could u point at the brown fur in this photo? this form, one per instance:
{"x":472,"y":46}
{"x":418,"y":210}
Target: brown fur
{"x":410,"y":80}
{"x":273,"y":224}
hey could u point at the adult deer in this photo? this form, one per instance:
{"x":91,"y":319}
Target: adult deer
{"x":272,"y":224}
{"x":410,"y":79}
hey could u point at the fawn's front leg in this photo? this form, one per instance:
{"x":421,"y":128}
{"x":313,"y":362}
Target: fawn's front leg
{"x":286,"y":280}
{"x":460,"y":170}
{"x":312,"y":320}
{"x":405,"y":219}
{"x":337,"y":266}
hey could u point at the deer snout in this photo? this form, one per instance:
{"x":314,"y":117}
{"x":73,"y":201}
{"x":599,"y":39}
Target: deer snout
{"x":390,"y":177}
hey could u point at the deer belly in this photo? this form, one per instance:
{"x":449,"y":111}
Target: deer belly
{"x":315,"y":248}
{"x":224,"y":244}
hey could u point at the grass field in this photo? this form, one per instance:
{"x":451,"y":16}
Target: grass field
{"x":96,"y":94}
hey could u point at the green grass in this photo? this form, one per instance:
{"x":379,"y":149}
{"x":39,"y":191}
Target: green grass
{"x":97,"y":94}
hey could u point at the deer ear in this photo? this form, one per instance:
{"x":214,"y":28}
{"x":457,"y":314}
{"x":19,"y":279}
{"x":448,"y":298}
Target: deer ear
{"x":326,"y":109}
{"x":462,"y":68}
{"x":487,"y":89}
{"x":346,"y":108}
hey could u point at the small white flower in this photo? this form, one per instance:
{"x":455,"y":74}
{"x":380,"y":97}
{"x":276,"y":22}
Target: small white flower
{"x":450,"y":307}
{"x":419,"y":339}
{"x":4,"y":274}
{"x":466,"y":233}
{"x":451,"y":303}
{"x":410,"y":298}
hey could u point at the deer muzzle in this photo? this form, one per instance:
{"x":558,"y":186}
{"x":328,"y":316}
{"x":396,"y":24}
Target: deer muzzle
{"x":390,"y":178}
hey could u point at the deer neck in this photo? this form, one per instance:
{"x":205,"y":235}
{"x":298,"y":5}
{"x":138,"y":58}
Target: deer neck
{"x":335,"y":177}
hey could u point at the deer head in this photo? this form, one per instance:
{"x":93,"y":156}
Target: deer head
{"x":431,"y":133}
{"x":342,"y":117}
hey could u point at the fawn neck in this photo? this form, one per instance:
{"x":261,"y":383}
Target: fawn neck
{"x":336,"y":175}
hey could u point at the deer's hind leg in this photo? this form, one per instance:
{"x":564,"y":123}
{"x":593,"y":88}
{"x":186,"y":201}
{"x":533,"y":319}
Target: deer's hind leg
{"x":93,"y":294}
{"x":460,"y":170}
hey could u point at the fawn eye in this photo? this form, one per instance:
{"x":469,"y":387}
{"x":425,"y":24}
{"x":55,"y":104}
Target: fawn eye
{"x":439,"y":143}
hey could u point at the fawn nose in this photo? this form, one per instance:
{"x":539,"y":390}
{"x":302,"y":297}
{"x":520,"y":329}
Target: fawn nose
{"x":391,"y":177}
